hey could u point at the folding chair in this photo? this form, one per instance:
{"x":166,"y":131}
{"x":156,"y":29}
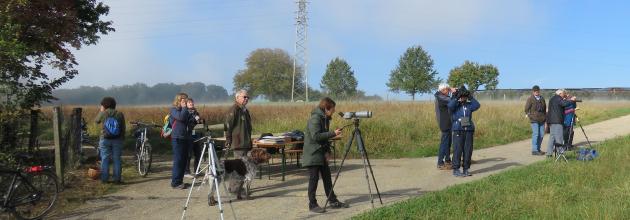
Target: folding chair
{"x":559,"y":151}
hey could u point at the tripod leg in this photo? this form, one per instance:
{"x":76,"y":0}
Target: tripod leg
{"x":215,"y":177}
{"x":345,"y":155}
{"x":367,"y":159}
{"x":192,"y":186}
{"x":367,"y":178}
{"x":584,"y":132}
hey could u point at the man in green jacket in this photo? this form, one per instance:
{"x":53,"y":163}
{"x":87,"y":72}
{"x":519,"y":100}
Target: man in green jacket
{"x":535,"y":110}
{"x":317,"y":152}
{"x":238,"y":132}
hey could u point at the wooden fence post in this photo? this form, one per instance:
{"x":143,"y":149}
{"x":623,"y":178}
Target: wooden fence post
{"x":59,"y":165}
{"x":74,"y":143}
{"x":34,"y":131}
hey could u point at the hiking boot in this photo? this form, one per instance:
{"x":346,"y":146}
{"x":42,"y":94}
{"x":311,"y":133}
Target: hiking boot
{"x":338,"y":205}
{"x":456,"y":173}
{"x":441,"y":166}
{"x":180,"y":186}
{"x":448,"y":162}
{"x":316,"y":209}
{"x":466,"y":173}
{"x":537,"y":153}
{"x":188,"y":175}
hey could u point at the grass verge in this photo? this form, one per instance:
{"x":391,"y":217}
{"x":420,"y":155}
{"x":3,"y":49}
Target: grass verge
{"x":598,"y":189}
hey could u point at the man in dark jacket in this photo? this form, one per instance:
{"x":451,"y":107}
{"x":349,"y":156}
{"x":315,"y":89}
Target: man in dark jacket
{"x":443,"y":117}
{"x":238,"y":133}
{"x":555,"y":119}
{"x":462,"y":105}
{"x":535,"y":109}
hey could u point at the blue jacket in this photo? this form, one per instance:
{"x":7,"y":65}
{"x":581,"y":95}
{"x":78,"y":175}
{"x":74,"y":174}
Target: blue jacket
{"x":569,"y":114}
{"x":459,"y":110}
{"x":179,"y":120}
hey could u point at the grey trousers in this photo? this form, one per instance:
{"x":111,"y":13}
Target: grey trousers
{"x":236,"y":186}
{"x":555,"y":136}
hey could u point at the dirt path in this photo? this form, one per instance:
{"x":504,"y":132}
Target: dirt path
{"x":398,"y":179}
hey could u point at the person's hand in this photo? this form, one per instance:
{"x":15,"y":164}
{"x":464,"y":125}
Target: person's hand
{"x":573,"y":98}
{"x":453,"y":90}
{"x":337,"y":131}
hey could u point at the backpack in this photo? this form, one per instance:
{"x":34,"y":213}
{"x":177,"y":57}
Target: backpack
{"x":111,"y":127}
{"x":167,"y":129}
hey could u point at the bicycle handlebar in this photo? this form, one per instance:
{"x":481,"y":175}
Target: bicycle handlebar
{"x":139,"y":123}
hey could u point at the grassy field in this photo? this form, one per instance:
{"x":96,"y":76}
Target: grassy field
{"x":397,"y":129}
{"x":596,"y":189}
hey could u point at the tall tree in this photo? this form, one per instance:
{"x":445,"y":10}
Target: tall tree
{"x":37,"y":41}
{"x":339,"y":81}
{"x":414,"y":73}
{"x":268,"y":73}
{"x":474,"y":75}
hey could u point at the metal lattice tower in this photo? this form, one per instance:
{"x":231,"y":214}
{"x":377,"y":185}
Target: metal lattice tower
{"x":300,"y":57}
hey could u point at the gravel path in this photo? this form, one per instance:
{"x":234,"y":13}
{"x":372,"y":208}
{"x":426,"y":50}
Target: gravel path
{"x":398,"y":179}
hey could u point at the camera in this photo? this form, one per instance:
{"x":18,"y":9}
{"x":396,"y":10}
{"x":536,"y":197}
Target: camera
{"x":351,"y":115}
{"x":461,"y":92}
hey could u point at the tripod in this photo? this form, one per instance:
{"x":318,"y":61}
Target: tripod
{"x":356,"y":134}
{"x":213,"y":173}
{"x":576,"y":120}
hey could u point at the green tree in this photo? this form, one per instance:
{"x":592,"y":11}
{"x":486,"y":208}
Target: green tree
{"x":414,"y":73}
{"x":37,"y":41}
{"x":474,"y":75}
{"x":339,"y":81}
{"x":268,"y":73}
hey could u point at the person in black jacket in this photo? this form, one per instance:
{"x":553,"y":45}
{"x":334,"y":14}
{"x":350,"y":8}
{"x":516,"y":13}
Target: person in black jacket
{"x":555,"y":118}
{"x":443,"y":116}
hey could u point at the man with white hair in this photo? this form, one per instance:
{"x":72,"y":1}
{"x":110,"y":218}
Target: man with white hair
{"x":238,"y":132}
{"x":443,"y":116}
{"x":555,"y":119}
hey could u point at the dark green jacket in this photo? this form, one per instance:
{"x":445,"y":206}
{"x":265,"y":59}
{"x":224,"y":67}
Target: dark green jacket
{"x":238,"y":128}
{"x":316,"y":139}
{"x":101,"y":116}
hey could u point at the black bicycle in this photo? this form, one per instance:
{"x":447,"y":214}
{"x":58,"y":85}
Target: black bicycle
{"x":28,"y":192}
{"x":143,"y":147}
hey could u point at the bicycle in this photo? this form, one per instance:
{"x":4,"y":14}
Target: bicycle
{"x":143,"y":147}
{"x":28,"y":192}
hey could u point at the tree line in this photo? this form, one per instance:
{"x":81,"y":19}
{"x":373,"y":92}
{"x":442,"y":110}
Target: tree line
{"x":141,"y":94}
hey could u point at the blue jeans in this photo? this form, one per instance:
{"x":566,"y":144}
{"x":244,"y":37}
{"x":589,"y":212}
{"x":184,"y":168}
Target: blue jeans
{"x":463,"y":144}
{"x":538,"y":132}
{"x":444,"y":152}
{"x":111,"y":149}
{"x":180,"y":159}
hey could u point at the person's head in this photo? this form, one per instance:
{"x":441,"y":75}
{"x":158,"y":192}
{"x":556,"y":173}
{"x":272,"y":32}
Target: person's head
{"x":444,"y":88}
{"x":241,"y":97}
{"x":536,"y":90}
{"x":327,"y":105}
{"x":108,"y":102}
{"x":561,"y":92}
{"x":180,"y":101}
{"x":190,"y":103}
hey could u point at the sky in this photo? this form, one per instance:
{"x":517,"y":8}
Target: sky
{"x":554,"y":44}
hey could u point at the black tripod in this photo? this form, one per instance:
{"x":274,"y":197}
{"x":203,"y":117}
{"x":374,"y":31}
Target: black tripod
{"x":356,"y":134}
{"x":576,"y":120}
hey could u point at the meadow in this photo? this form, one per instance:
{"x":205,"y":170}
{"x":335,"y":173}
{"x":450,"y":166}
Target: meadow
{"x":396,"y":130}
{"x":597,"y":189}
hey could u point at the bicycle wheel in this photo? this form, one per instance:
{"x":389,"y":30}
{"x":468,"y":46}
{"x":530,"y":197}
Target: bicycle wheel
{"x":35,"y":195}
{"x":144,"y":160}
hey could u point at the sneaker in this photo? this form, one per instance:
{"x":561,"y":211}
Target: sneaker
{"x":456,"y":173}
{"x":466,"y":173}
{"x":448,"y":162}
{"x":180,"y":186}
{"x":338,"y":205}
{"x":188,"y":175}
{"x":316,"y":209}
{"x":537,"y":153}
{"x":441,"y":166}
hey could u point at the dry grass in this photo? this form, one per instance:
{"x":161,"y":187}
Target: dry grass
{"x":398,"y":129}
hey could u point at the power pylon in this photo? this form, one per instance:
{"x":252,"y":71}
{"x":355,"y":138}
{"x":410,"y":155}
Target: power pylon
{"x":300,"y":58}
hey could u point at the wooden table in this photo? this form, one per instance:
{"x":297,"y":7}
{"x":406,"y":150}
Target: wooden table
{"x":282,"y":148}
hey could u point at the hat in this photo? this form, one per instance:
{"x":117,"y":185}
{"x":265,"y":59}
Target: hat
{"x":536,"y":88}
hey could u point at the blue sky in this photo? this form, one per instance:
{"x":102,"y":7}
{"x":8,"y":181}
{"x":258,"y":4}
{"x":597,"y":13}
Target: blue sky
{"x":550,"y":43}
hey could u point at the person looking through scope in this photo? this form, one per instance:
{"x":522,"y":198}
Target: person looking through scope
{"x":462,"y":105}
{"x":317,"y":153}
